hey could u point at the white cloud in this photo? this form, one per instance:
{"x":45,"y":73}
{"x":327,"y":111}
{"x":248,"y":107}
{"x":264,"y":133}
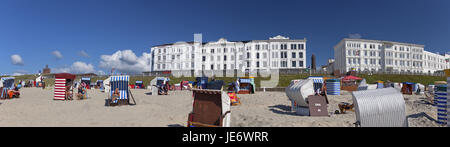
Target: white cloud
{"x":83,"y":54}
{"x":126,"y":61}
{"x":77,"y":68}
{"x":20,"y":72}
{"x":16,"y":60}
{"x":355,"y":36}
{"x":101,"y":72}
{"x":57,"y":54}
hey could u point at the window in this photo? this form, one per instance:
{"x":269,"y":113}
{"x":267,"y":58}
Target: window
{"x":257,"y":64}
{"x":212,"y":66}
{"x":248,"y":55}
{"x":293,"y":55}
{"x":212,"y":58}
{"x":294,"y":63}
{"x":294,"y":46}
{"x":264,"y":55}
{"x":301,"y":46}
{"x":212,"y":51}
{"x":300,"y":54}
{"x":224,"y":58}
{"x":204,"y":58}
{"x":300,"y":63}
{"x":283,"y":63}
{"x":257,"y":55}
{"x":283,"y":55}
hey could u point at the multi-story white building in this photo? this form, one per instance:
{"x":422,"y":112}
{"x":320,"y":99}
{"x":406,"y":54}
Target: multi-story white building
{"x":434,"y":62}
{"x":276,"y":53}
{"x":385,"y":56}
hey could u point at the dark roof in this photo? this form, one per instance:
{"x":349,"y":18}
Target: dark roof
{"x":65,"y":76}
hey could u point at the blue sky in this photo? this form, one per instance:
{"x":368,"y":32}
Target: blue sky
{"x":33,"y":29}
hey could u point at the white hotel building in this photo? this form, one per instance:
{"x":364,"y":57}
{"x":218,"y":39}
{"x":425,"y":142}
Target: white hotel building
{"x":276,"y":53}
{"x":386,"y":56}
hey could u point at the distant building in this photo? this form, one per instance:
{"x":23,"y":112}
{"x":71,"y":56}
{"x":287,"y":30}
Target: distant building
{"x":386,"y":56}
{"x":276,"y":53}
{"x":329,"y":68}
{"x":46,"y":70}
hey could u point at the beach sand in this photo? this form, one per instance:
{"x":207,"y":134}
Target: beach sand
{"x":36,"y":108}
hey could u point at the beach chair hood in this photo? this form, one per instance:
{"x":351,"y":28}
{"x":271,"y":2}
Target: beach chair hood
{"x":8,"y":82}
{"x":299,"y":90}
{"x":380,"y":108}
{"x":363,"y":85}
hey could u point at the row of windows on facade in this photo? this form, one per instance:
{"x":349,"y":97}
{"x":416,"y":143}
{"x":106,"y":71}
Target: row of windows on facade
{"x":283,"y":64}
{"x":388,"y":54}
{"x":257,"y":47}
{"x":379,"y":69}
{"x":264,"y":56}
{"x":435,"y":59}
{"x":373,"y":46}
{"x":357,"y":61}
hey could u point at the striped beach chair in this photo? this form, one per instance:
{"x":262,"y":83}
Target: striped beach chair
{"x":318,"y":82}
{"x":380,"y":108}
{"x":441,"y":104}
{"x":60,"y":85}
{"x":447,"y":73}
{"x":8,"y":84}
{"x":120,"y":82}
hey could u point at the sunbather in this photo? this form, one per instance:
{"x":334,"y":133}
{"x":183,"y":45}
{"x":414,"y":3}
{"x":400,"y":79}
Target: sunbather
{"x":115,"y":95}
{"x":14,"y":92}
{"x":81,"y":91}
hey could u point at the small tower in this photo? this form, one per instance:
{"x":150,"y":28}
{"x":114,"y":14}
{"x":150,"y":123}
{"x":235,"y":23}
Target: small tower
{"x":313,"y":63}
{"x":46,"y":70}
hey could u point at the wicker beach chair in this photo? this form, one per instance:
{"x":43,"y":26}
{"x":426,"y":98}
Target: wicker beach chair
{"x":211,"y":108}
{"x":60,"y":85}
{"x":121,"y":83}
{"x":380,"y":108}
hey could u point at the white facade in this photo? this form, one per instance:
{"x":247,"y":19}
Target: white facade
{"x":434,"y":62}
{"x":276,"y":53}
{"x":385,"y":56}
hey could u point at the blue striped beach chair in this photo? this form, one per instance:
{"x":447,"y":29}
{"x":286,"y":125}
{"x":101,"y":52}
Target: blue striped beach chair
{"x":120,"y":82}
{"x":318,"y":82}
{"x":441,"y":104}
{"x":8,"y":84}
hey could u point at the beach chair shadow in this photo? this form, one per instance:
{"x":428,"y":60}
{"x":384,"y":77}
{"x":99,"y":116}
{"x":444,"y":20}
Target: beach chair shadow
{"x":422,"y":114}
{"x":282,"y":109}
{"x":176,"y":126}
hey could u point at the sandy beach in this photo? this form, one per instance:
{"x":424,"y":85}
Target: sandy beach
{"x":36,"y":108}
